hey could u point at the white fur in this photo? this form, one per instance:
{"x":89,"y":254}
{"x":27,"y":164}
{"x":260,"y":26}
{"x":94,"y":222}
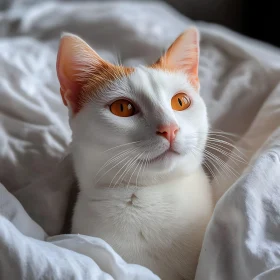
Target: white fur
{"x":156,"y":214}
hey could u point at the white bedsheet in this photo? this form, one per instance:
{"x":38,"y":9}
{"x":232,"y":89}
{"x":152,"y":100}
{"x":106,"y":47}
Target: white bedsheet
{"x":240,"y":84}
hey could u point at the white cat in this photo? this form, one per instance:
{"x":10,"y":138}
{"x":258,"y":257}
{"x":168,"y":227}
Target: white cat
{"x":138,"y":141}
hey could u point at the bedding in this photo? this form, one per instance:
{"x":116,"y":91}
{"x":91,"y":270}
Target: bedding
{"x":240,"y":84}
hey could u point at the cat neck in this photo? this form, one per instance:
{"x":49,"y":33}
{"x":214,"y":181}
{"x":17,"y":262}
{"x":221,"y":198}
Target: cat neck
{"x":124,"y":191}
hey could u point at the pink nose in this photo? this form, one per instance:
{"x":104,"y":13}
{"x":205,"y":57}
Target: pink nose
{"x":168,"y":131}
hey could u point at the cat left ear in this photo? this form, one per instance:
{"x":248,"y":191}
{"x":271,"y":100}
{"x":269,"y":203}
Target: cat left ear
{"x":81,"y":72}
{"x":183,"y":55}
{"x":77,"y":63}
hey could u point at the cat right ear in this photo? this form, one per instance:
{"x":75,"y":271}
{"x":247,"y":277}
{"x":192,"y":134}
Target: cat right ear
{"x":75,"y":61}
{"x":183,"y":55}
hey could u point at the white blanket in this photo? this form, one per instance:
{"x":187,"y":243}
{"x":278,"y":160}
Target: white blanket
{"x":240,"y":84}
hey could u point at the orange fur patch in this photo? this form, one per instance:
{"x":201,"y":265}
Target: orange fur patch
{"x":94,"y":80}
{"x":160,"y":64}
{"x":99,"y":78}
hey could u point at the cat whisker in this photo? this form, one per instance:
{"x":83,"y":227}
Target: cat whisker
{"x":126,"y":144}
{"x":223,"y":163}
{"x":114,"y":158}
{"x":222,"y":144}
{"x":235,"y":158}
{"x":213,"y":159}
{"x":136,"y":167}
{"x":126,"y":165}
{"x":217,"y":165}
{"x":214,"y":164}
{"x":214,"y":140}
{"x":118,"y":163}
{"x":142,"y":165}
{"x":228,"y":150}
{"x":129,"y":166}
{"x":135,"y":170}
{"x":111,"y":169}
{"x":194,"y":153}
{"x":220,"y":132}
{"x":210,"y":170}
{"x":147,"y":161}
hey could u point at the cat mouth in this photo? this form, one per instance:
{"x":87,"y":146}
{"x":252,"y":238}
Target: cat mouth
{"x":168,"y":153}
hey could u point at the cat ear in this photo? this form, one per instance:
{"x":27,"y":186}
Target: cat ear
{"x":81,"y":71}
{"x":183,"y":55}
{"x":76,"y":60}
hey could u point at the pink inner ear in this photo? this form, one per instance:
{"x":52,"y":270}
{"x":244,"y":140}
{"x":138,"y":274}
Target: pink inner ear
{"x":66,"y":70}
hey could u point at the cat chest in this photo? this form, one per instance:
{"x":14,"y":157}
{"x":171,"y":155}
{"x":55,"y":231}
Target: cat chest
{"x":150,"y":214}
{"x":147,"y":224}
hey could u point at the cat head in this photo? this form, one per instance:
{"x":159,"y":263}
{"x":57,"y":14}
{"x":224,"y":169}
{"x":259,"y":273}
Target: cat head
{"x":132,"y":124}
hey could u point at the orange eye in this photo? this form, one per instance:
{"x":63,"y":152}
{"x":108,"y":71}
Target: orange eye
{"x":122,"y":108}
{"x":180,"y":102}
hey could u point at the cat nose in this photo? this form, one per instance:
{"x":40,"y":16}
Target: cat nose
{"x":168,"y":131}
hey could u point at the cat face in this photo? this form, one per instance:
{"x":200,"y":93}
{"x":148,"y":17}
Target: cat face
{"x":133,"y":123}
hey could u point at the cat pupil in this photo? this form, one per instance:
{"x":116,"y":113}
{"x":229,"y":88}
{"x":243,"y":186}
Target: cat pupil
{"x":121,"y":107}
{"x":180,"y":102}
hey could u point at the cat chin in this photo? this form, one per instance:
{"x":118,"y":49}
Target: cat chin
{"x":168,"y":162}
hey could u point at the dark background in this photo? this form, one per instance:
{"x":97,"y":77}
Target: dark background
{"x":256,"y":19}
